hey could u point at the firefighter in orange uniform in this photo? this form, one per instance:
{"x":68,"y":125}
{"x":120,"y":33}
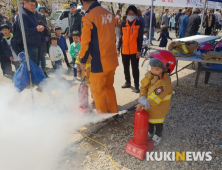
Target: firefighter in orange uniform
{"x":98,"y":40}
{"x":156,"y":92}
{"x":130,"y":40}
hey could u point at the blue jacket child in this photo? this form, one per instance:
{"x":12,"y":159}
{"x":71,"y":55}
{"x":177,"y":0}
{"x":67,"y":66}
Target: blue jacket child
{"x":62,"y":44}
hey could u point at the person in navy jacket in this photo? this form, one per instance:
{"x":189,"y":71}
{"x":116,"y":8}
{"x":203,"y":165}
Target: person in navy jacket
{"x":153,"y":26}
{"x":42,"y":49}
{"x":32,"y":30}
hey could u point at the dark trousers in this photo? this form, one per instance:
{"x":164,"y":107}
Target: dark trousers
{"x":34,"y":54}
{"x":16,"y":64}
{"x":217,"y":25}
{"x":159,"y":129}
{"x":135,"y":67}
{"x":171,"y":27}
{"x":5,"y":65}
{"x":66,"y":59}
{"x":47,"y":46}
{"x":208,"y":30}
{"x":176,"y":29}
{"x":144,"y":49}
{"x":70,"y":40}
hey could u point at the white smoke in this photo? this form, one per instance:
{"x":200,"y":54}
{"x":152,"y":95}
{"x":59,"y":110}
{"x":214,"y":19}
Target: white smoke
{"x":33,"y":136}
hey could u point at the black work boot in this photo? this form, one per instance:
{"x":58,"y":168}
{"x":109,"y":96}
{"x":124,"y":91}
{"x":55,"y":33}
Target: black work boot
{"x":137,"y":90}
{"x":46,"y":75}
{"x":126,"y":85}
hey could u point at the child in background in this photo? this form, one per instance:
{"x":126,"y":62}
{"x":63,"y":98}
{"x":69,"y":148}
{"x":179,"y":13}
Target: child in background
{"x":164,"y":35}
{"x":214,"y":33}
{"x":62,"y":44}
{"x":74,"y":50}
{"x":145,"y":43}
{"x":163,"y":25}
{"x":156,"y":91}
{"x":5,"y":62}
{"x":10,"y":46}
{"x":124,"y":18}
{"x":56,"y":54}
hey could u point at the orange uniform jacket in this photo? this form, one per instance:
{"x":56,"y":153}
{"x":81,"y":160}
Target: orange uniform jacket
{"x":98,"y":39}
{"x":131,"y":37}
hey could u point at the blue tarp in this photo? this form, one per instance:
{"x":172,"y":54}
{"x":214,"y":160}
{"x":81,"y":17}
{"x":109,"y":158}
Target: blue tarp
{"x":216,"y":0}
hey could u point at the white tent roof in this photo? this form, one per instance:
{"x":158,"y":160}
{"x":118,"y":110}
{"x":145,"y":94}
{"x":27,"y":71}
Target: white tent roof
{"x":172,"y":3}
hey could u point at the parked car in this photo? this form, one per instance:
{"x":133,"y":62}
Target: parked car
{"x":60,"y":19}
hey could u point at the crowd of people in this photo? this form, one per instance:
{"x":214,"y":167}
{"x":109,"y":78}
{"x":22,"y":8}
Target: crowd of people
{"x":96,"y":40}
{"x":38,"y":29}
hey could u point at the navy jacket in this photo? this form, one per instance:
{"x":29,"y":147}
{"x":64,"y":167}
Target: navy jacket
{"x":177,"y":17}
{"x":40,"y":16}
{"x":62,"y":43}
{"x":193,"y":25}
{"x":7,"y":49}
{"x":33,"y":37}
{"x":140,"y":18}
{"x":147,"y":19}
{"x":75,"y":23}
{"x":2,"y":53}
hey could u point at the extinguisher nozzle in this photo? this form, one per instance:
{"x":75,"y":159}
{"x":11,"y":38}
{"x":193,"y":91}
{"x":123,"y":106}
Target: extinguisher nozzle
{"x":122,"y":112}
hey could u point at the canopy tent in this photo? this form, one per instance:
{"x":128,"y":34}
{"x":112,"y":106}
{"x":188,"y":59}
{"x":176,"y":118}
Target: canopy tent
{"x":216,"y":0}
{"x":214,"y":4}
{"x":217,"y":4}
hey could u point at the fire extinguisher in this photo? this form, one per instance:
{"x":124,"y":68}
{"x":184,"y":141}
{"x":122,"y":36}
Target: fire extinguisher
{"x":83,"y":98}
{"x":141,"y":127}
{"x":139,"y":145}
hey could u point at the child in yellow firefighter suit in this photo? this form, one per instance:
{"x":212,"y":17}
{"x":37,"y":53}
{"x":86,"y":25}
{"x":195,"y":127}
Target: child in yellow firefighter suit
{"x":84,"y":75}
{"x":156,"y":91}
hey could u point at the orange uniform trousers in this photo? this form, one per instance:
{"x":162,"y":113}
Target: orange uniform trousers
{"x":103,"y":91}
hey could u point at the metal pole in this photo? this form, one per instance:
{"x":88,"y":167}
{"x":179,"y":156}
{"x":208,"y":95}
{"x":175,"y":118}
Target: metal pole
{"x":202,"y":18}
{"x":25,"y":47}
{"x":151,"y":20}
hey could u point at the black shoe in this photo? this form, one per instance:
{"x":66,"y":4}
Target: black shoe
{"x":7,"y":75}
{"x":137,"y":90}
{"x":46,"y":75}
{"x":126,"y":85}
{"x":93,"y":104}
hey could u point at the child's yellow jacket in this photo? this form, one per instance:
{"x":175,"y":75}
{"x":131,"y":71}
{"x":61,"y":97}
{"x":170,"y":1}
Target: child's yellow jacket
{"x":88,"y":69}
{"x":158,"y":93}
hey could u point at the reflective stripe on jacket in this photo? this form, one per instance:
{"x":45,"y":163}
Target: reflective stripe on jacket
{"x":158,"y":92}
{"x":88,"y":69}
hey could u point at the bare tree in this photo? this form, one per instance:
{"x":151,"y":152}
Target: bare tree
{"x":47,"y":4}
{"x":112,"y":8}
{"x":120,"y":5}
